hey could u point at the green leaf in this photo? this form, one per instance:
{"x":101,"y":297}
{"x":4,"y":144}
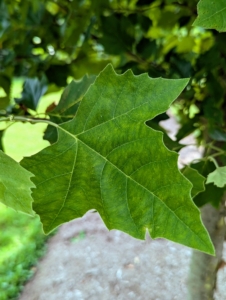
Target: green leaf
{"x":211,"y":14}
{"x":217,"y":134}
{"x":212,"y":194}
{"x":107,"y":159}
{"x":68,"y":105}
{"x":196,"y":179}
{"x":218,"y":177}
{"x":15,"y":185}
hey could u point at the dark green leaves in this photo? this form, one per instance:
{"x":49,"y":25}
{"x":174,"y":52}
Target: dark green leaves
{"x":117,"y":34}
{"x":107,"y":159}
{"x":32,"y":92}
{"x":15,"y":185}
{"x":212,"y":14}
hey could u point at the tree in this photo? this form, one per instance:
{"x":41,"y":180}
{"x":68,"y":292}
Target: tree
{"x":102,"y":155}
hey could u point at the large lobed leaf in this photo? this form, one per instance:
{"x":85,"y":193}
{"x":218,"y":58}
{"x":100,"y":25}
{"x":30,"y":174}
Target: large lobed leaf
{"x":211,"y":14}
{"x":15,"y":185}
{"x":108,"y":159}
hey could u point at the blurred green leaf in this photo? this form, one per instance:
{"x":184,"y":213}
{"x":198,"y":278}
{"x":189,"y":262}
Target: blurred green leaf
{"x":117,"y":36}
{"x":196,"y":179}
{"x":217,"y":177}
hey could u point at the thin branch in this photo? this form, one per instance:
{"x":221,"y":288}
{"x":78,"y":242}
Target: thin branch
{"x":12,"y":118}
{"x":214,"y":161}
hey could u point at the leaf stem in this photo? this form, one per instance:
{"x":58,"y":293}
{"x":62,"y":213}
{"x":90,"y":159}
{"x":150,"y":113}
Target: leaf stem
{"x":214,"y":161}
{"x":214,"y":147}
{"x":12,"y":118}
{"x":218,"y":154}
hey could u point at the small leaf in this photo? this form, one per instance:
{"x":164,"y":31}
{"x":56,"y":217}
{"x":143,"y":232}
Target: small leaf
{"x":211,"y":14}
{"x":196,"y":179}
{"x":218,"y":177}
{"x":68,"y":105}
{"x":107,"y":159}
{"x":15,"y":185}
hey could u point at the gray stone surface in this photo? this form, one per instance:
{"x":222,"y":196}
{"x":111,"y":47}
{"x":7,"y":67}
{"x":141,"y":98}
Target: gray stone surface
{"x":87,"y":262}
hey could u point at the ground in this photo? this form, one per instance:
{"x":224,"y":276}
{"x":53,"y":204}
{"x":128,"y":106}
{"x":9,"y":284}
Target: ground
{"x":86,"y":261}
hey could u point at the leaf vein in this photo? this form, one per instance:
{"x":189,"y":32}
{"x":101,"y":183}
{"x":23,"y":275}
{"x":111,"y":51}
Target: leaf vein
{"x":69,"y":184}
{"x":59,"y":175}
